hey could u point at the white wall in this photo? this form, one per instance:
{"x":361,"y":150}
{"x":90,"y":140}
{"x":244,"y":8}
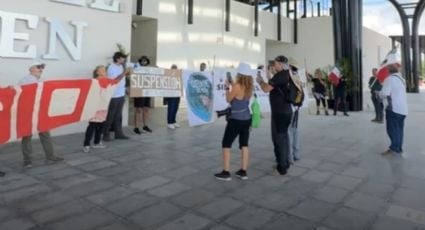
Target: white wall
{"x":315,"y":44}
{"x":104,"y":30}
{"x":144,"y":39}
{"x":189,"y":45}
{"x":375,"y":48}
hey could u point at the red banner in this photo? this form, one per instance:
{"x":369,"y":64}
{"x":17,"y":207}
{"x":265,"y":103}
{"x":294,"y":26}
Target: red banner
{"x":29,"y":109}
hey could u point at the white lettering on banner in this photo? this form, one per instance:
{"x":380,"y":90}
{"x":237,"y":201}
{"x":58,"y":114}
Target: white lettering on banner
{"x":153,"y":81}
{"x":56,"y":28}
{"x":8,"y":35}
{"x":149,"y":70}
{"x":114,"y":5}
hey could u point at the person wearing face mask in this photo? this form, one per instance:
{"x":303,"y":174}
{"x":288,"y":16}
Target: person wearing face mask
{"x":281,"y":111}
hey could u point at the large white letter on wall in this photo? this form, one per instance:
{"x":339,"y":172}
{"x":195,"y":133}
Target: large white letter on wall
{"x":57,"y":31}
{"x":72,"y":2}
{"x":8,"y":35}
{"x":101,"y":5}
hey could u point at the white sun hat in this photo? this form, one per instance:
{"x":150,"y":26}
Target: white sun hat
{"x":244,"y":69}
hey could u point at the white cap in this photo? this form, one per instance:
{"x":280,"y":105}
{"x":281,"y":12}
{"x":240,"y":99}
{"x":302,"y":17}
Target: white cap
{"x":392,"y":57}
{"x":244,"y":69}
{"x":37,"y":63}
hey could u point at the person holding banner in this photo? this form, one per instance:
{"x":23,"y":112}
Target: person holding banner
{"x":114,"y":117}
{"x":239,"y":121}
{"x":142,"y":105}
{"x":95,"y":127}
{"x":36,"y":70}
{"x":281,"y":111}
{"x":172,"y":108}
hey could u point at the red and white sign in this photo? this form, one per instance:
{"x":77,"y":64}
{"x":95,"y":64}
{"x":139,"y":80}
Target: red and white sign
{"x":29,"y":109}
{"x":392,"y":58}
{"x":334,"y":76}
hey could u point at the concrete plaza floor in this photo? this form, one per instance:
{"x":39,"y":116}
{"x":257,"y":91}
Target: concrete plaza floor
{"x":164,"y":180}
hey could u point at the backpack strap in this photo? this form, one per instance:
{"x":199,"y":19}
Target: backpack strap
{"x":373,"y":83}
{"x":291,"y":76}
{"x":400,"y":78}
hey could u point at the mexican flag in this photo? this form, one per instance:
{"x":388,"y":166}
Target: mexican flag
{"x":334,"y":76}
{"x":392,"y":58}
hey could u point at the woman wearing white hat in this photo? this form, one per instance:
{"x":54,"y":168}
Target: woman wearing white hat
{"x":239,"y":121}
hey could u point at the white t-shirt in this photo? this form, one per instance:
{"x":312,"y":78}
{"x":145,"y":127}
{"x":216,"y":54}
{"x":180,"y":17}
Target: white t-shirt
{"x":29,"y":79}
{"x":114,"y":71}
{"x":395,"y":87}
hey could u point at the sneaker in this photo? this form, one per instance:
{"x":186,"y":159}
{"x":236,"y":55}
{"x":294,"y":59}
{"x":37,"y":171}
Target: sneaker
{"x":242,"y":174}
{"x":99,"y":146}
{"x":346,"y":114}
{"x":276,"y":172}
{"x":176,"y":125}
{"x":224,"y":175}
{"x":318,"y":112}
{"x":86,"y":149}
{"x":326,"y":113}
{"x":171,"y":126}
{"x":137,"y":131}
{"x":28,"y":164}
{"x":147,"y":129}
{"x":2,"y":174}
{"x":55,"y":159}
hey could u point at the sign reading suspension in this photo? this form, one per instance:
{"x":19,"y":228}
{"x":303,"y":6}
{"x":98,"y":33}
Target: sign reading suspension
{"x":156,"y":82}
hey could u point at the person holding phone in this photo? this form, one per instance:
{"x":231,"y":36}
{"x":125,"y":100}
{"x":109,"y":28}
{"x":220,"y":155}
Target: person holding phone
{"x":239,"y":122}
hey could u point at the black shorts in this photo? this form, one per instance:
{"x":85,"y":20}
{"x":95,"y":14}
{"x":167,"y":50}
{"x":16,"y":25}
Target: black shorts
{"x":233,"y":129}
{"x":141,"y":102}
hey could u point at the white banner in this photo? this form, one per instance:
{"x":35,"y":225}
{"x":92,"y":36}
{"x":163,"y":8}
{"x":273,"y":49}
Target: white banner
{"x":199,"y":93}
{"x":220,"y":76}
{"x":262,"y":97}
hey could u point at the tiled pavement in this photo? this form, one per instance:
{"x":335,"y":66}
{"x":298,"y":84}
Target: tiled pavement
{"x":164,"y":181}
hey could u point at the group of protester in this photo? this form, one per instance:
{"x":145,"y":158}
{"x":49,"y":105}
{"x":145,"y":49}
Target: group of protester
{"x":238,"y":94}
{"x":284,"y":114}
{"x":320,"y":92}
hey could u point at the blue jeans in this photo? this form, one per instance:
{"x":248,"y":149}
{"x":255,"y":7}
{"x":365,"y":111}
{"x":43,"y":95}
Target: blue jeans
{"x":173,"y":107}
{"x":294,"y":145}
{"x":395,"y":130}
